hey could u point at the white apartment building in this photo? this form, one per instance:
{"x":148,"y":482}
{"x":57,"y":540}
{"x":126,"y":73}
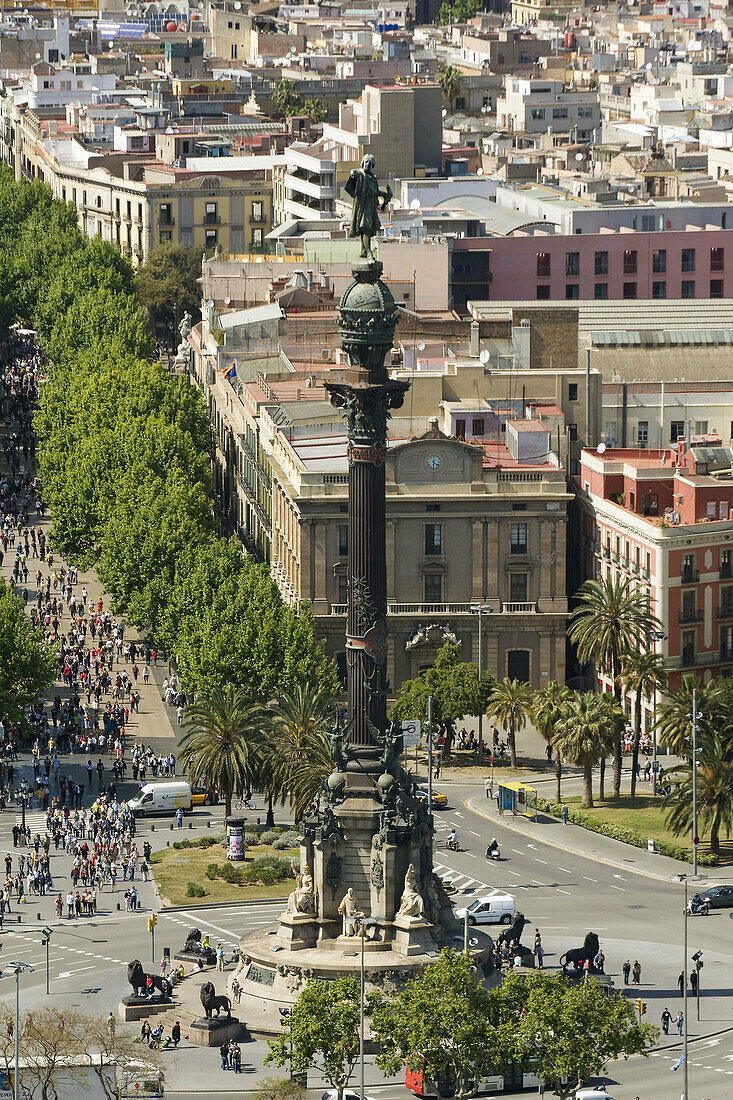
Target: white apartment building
{"x":48,"y":86}
{"x":546,"y":107}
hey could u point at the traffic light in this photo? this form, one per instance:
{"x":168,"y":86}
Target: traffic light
{"x":152,"y":921}
{"x":697,"y":959}
{"x":640,"y":1006}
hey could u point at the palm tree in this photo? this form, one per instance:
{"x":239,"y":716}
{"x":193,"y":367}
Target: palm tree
{"x":298,"y":754}
{"x":549,"y":707}
{"x":449,"y":79}
{"x":644,"y":674}
{"x":586,"y":733}
{"x":612,"y":623}
{"x":223,"y":739}
{"x":714,"y":791}
{"x":510,"y":704}
{"x":674,"y":721}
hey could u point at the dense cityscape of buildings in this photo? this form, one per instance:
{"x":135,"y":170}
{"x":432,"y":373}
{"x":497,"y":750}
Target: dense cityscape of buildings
{"x":557,"y":243}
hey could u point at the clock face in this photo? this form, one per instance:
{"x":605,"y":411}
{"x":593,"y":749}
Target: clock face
{"x":434,"y":462}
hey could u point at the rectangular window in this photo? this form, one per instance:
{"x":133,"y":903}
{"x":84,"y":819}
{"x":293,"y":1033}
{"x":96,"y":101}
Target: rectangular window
{"x":676,"y":430}
{"x":211,"y":238}
{"x":572,"y":263}
{"x":689,"y":573}
{"x":433,"y":538}
{"x":601,"y":290}
{"x":689,"y":604}
{"x":461,"y":429}
{"x":211,"y":217}
{"x":716,"y":288}
{"x":717,"y":259}
{"x":257,"y":211}
{"x":688,"y":288}
{"x":343,"y":583}
{"x":343,"y":532}
{"x":688,"y":259}
{"x":257,"y":238}
{"x":572,"y":391}
{"x":166,"y":213}
{"x":701,"y":427}
{"x":650,"y":504}
{"x":559,"y":112}
{"x":688,"y":647}
{"x":519,"y":538}
{"x":544,"y":265}
{"x":601,"y":263}
{"x":572,"y":291}
{"x":573,"y":431}
{"x":433,"y":588}
{"x":659,"y":290}
{"x":642,"y":433}
{"x":629,"y":290}
{"x":518,"y":587}
{"x":543,"y":292}
{"x":477,"y":426}
{"x":659,"y":261}
{"x":630,"y":261}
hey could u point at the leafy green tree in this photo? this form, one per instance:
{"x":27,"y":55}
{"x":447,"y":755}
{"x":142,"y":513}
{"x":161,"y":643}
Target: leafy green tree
{"x":455,"y":689}
{"x":322,"y":1032}
{"x":168,"y":283}
{"x":550,"y":706}
{"x":510,"y":704}
{"x":446,"y":1024}
{"x":449,"y":79}
{"x":586,"y":733}
{"x":643,"y":674}
{"x":612,"y":622}
{"x":576,"y":1028}
{"x":316,"y":109}
{"x":222,"y":742}
{"x":298,"y":756}
{"x":287,"y":99}
{"x":27,"y":663}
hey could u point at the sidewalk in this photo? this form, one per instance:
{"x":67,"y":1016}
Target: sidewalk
{"x":603,"y":849}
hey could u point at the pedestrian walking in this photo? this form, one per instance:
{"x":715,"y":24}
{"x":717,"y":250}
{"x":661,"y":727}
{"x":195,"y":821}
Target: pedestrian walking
{"x":636,"y":972}
{"x":693,"y":982}
{"x":111,"y":1025}
{"x":680,"y":1021}
{"x":538,"y":950}
{"x":626,"y":968}
{"x":564,"y":813}
{"x":179,"y":817}
{"x":176,"y":1034}
{"x":219,"y":957}
{"x":666,"y":1019}
{"x":224,"y":1052}
{"x":681,"y":983}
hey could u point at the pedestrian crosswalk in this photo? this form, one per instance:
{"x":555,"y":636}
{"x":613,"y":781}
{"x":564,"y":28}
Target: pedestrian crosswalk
{"x":463,"y":883}
{"x":35,"y":820}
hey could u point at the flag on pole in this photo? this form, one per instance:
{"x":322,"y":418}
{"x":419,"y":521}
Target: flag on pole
{"x":230,"y":372}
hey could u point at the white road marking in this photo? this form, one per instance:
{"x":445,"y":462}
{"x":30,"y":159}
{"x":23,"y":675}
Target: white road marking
{"x":538,"y":860}
{"x":458,"y":815}
{"x":622,"y":888}
{"x":589,"y":879}
{"x":561,"y":891}
{"x":565,"y":870}
{"x":68,"y":973}
{"x":474,"y":833}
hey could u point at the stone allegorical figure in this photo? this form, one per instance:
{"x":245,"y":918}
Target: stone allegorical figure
{"x":350,"y":913}
{"x":363,"y":187}
{"x":302,"y":899}
{"x":412,"y":904}
{"x":185,"y":326}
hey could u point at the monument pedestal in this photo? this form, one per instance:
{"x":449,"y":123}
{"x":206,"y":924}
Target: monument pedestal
{"x":298,"y":931}
{"x":212,"y":1033}
{"x":138,"y":1008}
{"x":413,"y":936}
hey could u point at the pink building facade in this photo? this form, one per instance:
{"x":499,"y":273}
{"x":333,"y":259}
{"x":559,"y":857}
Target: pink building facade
{"x":697,"y":263}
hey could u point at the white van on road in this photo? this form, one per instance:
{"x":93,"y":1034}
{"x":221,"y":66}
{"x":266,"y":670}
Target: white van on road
{"x":161,"y":798}
{"x":496,"y":908}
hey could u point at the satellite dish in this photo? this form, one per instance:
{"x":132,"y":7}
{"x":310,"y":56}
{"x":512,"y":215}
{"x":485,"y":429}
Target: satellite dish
{"x":485,"y":356}
{"x":601,"y":448}
{"x":579,"y":156}
{"x":444,"y":112}
{"x":237,"y":5}
{"x":421,"y":346}
{"x":415,"y":204}
{"x":209,"y":304}
{"x":227,"y":301}
{"x":479,"y":171}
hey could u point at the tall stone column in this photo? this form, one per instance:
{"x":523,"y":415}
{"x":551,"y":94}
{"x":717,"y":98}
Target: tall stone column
{"x":367,"y":318}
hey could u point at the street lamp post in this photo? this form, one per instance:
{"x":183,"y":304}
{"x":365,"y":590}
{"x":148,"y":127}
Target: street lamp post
{"x":685,"y":879}
{"x":16,"y":969}
{"x":695,"y":717}
{"x":46,"y":941}
{"x":658,"y":636}
{"x":364,"y":923}
{"x":480,"y":609}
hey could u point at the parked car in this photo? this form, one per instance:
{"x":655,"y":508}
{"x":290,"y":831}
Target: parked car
{"x":497,"y":908}
{"x":720,"y":897}
{"x":440,"y":800}
{"x":204,"y":796}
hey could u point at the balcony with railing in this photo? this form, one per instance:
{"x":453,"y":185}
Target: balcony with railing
{"x":521,"y":608}
{"x":690,"y":576}
{"x":690,"y":616}
{"x":688,"y":659}
{"x":726,"y":571}
{"x":725,"y":611}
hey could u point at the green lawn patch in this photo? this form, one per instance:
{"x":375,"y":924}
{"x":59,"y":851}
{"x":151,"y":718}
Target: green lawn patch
{"x":183,"y":864}
{"x":645,"y":820}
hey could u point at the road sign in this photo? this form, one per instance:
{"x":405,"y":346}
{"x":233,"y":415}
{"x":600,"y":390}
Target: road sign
{"x":411,"y":733}
{"x":680,"y":1062}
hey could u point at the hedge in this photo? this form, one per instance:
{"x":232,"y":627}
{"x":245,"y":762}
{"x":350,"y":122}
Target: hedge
{"x":625,"y":834}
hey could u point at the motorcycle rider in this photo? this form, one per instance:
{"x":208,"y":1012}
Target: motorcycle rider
{"x":492,"y":852}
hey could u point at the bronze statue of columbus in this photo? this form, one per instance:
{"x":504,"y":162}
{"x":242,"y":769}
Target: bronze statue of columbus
{"x":363,"y":187}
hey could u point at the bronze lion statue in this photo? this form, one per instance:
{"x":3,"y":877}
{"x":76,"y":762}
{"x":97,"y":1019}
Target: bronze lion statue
{"x":211,"y":1001}
{"x":580,"y":955}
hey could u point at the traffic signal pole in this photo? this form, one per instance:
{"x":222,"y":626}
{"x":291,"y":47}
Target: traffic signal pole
{"x":152,"y":921}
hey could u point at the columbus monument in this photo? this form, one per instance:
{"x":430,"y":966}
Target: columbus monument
{"x":366,"y":850}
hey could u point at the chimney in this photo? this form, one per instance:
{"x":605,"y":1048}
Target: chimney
{"x":433,"y":424}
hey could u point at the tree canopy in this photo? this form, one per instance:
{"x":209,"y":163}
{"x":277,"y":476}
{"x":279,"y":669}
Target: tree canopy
{"x":168,"y":282}
{"x":124,"y":454}
{"x":27,"y":663}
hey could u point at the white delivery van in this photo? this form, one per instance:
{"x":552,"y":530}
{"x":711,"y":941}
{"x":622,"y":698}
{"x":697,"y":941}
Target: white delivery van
{"x":161,"y":798}
{"x":497,"y":908}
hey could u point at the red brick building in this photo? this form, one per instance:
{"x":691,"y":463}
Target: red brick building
{"x":662,"y":518}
